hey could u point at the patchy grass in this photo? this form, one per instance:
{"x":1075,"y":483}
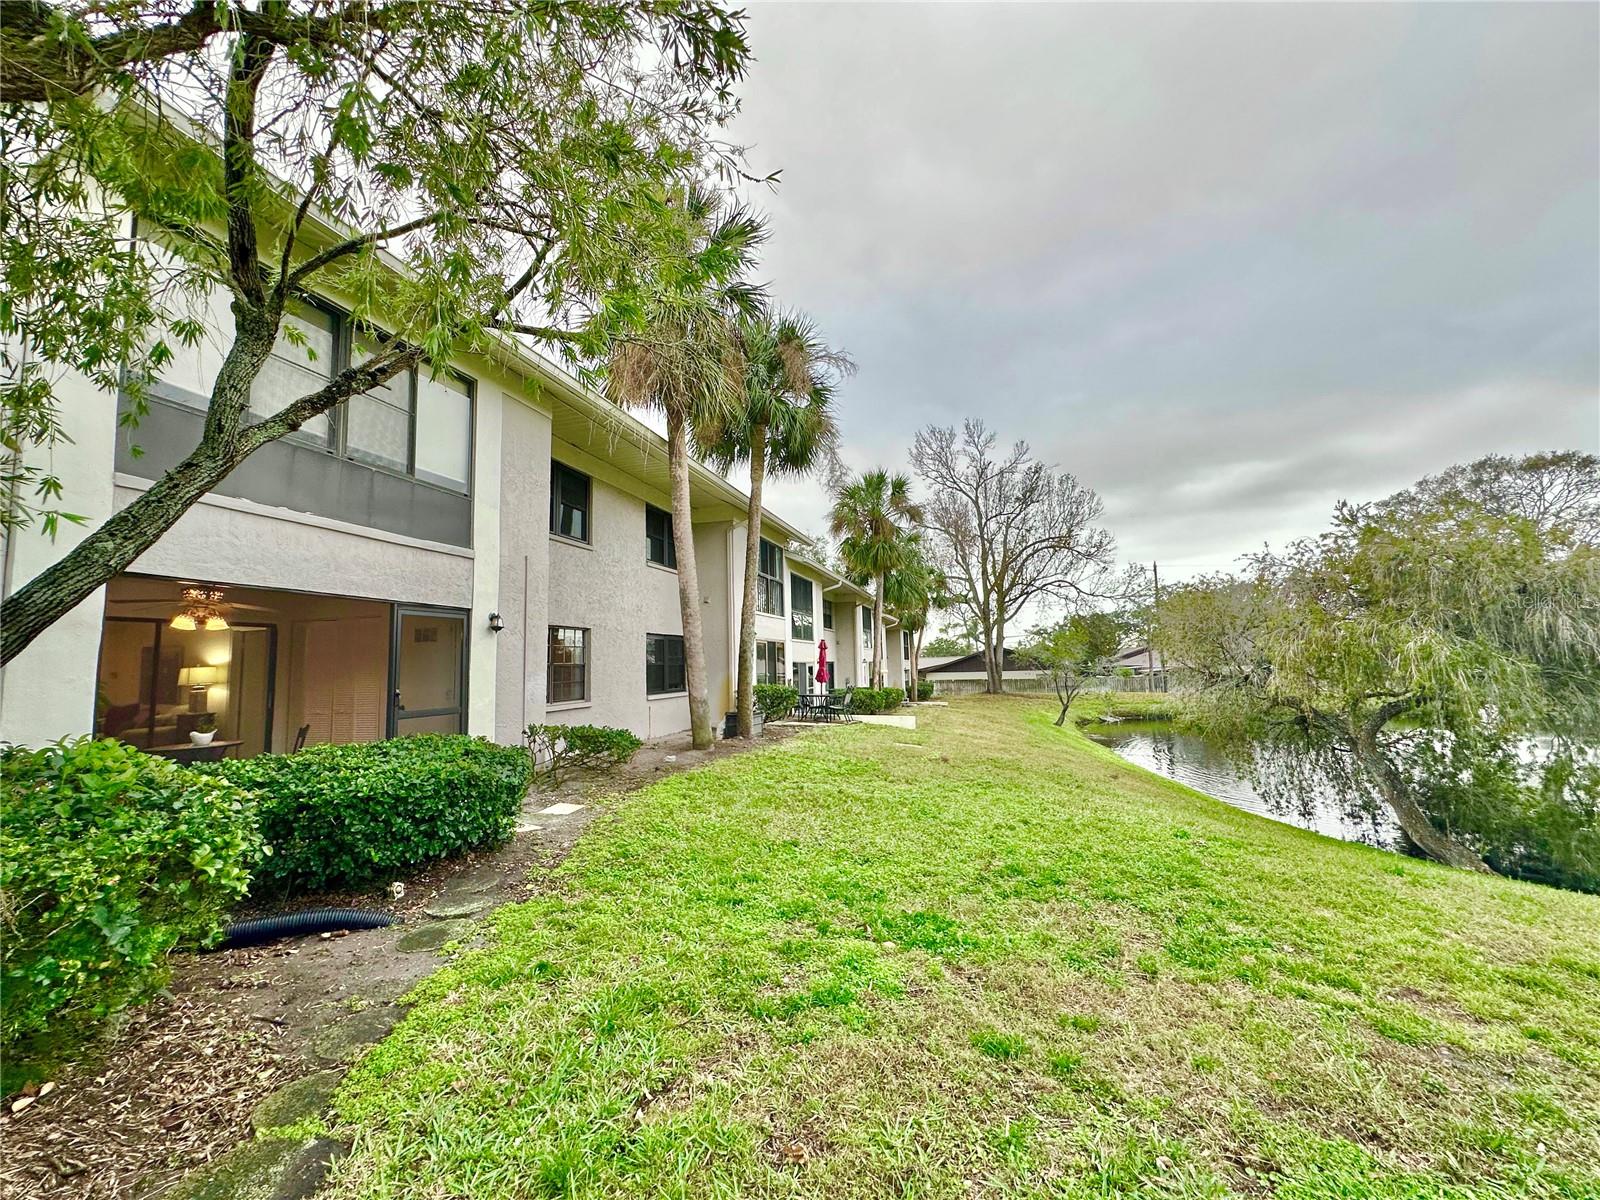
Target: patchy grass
{"x":1011,"y":966}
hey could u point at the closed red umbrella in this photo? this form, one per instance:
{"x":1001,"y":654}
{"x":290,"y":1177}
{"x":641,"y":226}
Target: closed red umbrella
{"x":822,"y":662}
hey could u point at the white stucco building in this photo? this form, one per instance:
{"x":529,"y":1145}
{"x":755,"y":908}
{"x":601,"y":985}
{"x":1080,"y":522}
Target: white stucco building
{"x":475,"y":549}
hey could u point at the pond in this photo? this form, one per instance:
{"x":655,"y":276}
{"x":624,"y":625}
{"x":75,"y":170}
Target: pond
{"x":1191,"y":760}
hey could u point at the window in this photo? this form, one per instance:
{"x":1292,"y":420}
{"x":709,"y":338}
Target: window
{"x":444,"y":430}
{"x":769,"y":580}
{"x":770,"y":666}
{"x":568,"y":679}
{"x":827,"y":614}
{"x":866,"y":629}
{"x":800,"y":608}
{"x":412,"y":423}
{"x":292,"y":371}
{"x":658,"y":547}
{"x":569,"y":502}
{"x":905,"y":645}
{"x":663,"y":664}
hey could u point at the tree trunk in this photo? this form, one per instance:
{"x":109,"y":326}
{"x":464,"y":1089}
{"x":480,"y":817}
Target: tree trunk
{"x":129,"y":532}
{"x":916,"y":663}
{"x":752,"y":564}
{"x":694,"y":639}
{"x":1414,"y":822}
{"x":995,"y":659}
{"x":878,"y":635}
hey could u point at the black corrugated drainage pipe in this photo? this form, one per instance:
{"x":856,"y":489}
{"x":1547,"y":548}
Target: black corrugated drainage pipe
{"x":301,"y":924}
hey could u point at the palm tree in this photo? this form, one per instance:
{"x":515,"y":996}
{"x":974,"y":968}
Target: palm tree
{"x":912,"y":592}
{"x":871,"y":518}
{"x":679,"y":354}
{"x":785,"y":426}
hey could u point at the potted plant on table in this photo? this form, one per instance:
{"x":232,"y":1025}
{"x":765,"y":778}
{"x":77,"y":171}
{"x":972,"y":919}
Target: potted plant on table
{"x":204,"y":730}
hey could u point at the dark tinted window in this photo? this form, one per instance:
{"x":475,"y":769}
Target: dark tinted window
{"x":658,"y":547}
{"x":769,"y":580}
{"x":569,"y":502}
{"x":800,"y":619}
{"x":663,"y":663}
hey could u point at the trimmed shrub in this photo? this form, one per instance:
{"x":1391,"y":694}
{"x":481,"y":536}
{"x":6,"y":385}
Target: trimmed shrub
{"x":867,"y":701}
{"x":580,"y":746}
{"x":108,"y":859}
{"x":344,"y":815}
{"x":924,"y":689}
{"x":776,"y":700}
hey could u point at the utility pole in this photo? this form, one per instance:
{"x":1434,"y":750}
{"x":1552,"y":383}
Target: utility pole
{"x":1149,"y":633}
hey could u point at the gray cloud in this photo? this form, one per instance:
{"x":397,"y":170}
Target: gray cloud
{"x":1227,"y":264}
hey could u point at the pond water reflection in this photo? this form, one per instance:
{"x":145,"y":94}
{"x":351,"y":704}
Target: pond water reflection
{"x":1192,"y":760}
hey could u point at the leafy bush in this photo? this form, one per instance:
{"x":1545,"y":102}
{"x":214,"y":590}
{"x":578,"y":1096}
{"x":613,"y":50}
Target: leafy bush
{"x":347,"y":814}
{"x":582,"y":746}
{"x":776,"y":700}
{"x":866,"y":701}
{"x":108,"y":859}
{"x":924,"y":689}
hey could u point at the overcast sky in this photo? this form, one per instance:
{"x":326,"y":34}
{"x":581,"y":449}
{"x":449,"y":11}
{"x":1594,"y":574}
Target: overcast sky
{"x":1226,"y":264}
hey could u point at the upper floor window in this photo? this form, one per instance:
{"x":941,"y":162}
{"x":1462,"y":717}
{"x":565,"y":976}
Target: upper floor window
{"x":769,"y":579}
{"x":569,"y":502}
{"x":800,"y":591}
{"x":905,"y":644}
{"x":417,"y":422}
{"x":303,"y":359}
{"x":443,"y":430}
{"x":658,"y":547}
{"x":663,"y":664}
{"x":827,"y":614}
{"x":866,"y":628}
{"x":568,"y":679}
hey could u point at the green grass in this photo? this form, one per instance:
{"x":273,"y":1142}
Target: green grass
{"x":1006,"y":965}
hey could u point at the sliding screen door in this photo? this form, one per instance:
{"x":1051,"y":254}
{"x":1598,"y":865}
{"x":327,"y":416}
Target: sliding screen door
{"x":429,"y":672}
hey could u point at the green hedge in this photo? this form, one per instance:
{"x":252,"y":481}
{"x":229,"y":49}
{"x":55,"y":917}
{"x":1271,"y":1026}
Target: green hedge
{"x":581,"y":746}
{"x":876,"y":700}
{"x":924,"y":689}
{"x":108,"y":859}
{"x":344,"y":815}
{"x":776,"y":700}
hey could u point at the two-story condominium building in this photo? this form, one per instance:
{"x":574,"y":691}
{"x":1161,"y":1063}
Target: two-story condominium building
{"x":476,"y":548}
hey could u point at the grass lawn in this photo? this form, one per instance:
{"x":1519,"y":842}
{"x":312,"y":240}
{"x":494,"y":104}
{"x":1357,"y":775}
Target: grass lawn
{"x":987,"y":958}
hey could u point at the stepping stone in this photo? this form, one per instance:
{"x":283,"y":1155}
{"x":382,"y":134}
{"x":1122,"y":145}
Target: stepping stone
{"x":525,"y":827}
{"x":345,"y":1040}
{"x":448,"y":906}
{"x":262,"y":1169}
{"x":480,"y":878}
{"x":560,"y":810}
{"x":307,"y":1097}
{"x":429,"y":937}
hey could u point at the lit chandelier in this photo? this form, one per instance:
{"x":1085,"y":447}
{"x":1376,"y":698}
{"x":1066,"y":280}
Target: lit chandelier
{"x":201,"y":610}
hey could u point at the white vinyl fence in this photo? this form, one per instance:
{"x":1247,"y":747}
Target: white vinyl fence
{"x":1039,"y":685}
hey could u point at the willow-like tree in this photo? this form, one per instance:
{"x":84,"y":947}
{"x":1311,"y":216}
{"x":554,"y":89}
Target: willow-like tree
{"x":873,"y":518}
{"x":1414,"y":653}
{"x":449,"y":172}
{"x":783,"y":426}
{"x":677,"y":351}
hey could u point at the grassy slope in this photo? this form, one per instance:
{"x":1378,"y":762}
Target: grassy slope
{"x":1000,"y":963}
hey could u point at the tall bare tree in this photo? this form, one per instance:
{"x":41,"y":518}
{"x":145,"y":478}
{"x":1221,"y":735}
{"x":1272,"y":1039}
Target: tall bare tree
{"x":1007,"y":530}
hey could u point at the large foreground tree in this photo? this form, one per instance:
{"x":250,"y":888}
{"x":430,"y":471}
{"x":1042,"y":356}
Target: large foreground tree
{"x":679,"y":354}
{"x":448,"y":172}
{"x":1007,"y":530}
{"x":1432,"y":651}
{"x":783,"y":425}
{"x":874,"y":518}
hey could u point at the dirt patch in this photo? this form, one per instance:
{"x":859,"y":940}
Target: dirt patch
{"x":174,"y":1088}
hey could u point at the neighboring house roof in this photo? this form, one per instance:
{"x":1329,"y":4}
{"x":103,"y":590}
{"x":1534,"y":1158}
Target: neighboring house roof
{"x":1138,"y":658}
{"x":969,"y":663}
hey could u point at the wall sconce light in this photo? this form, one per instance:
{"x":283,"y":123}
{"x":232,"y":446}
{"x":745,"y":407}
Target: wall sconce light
{"x":495,"y":623}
